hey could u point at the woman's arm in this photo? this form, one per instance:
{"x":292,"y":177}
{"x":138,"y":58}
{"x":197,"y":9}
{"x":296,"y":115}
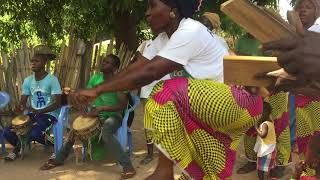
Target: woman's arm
{"x":123,"y":102}
{"x":141,"y":76}
{"x":135,"y":76}
{"x":121,"y":105}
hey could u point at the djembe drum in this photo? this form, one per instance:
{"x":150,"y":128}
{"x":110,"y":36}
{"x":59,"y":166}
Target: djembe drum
{"x":21,"y":125}
{"x":86,"y":129}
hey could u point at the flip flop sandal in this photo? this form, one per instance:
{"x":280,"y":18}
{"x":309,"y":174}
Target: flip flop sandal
{"x":11,"y":157}
{"x":128,"y":175}
{"x":53,"y":156}
{"x":49,"y":165}
{"x":146,"y":160}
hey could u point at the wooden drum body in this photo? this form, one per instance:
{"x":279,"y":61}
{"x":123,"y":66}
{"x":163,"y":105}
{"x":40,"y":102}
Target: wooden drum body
{"x":86,"y":127}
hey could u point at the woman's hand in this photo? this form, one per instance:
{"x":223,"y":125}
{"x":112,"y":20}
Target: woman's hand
{"x":299,"y":55}
{"x":81,"y":98}
{"x":95,"y":112}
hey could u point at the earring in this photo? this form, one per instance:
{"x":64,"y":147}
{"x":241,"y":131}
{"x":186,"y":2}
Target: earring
{"x":172,"y":14}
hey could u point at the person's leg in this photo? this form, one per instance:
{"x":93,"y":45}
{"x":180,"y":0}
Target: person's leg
{"x":13,"y":139}
{"x":149,"y":156}
{"x":11,"y":136}
{"x":43,"y":121}
{"x":110,"y":127}
{"x":148,"y":135}
{"x":262,"y":175}
{"x":65,"y":150}
{"x":164,"y":169}
{"x":62,"y":155}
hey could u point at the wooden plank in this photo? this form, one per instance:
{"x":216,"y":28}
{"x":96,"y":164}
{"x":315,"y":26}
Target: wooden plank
{"x":242,"y":70}
{"x":262,"y":24}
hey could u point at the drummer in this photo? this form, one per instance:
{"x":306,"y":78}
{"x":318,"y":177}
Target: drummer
{"x":109,"y":107}
{"x":45,"y":93}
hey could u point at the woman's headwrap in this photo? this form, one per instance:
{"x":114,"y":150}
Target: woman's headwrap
{"x":316,"y":4}
{"x":214,"y":19}
{"x":186,"y":8}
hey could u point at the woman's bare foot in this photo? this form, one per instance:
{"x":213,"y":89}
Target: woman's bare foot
{"x":164,"y":170}
{"x":160,"y":176}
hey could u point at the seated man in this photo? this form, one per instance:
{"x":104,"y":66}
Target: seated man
{"x":109,"y":108}
{"x":45,"y":92}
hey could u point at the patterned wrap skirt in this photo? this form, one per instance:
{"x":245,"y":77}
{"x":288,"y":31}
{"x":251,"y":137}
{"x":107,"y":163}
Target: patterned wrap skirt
{"x":280,"y":117}
{"x":198,"y":124}
{"x":307,"y":123}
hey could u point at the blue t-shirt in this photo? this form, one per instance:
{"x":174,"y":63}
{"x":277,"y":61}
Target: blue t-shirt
{"x":42,"y":92}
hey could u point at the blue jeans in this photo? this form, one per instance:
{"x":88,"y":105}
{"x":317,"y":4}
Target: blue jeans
{"x":43,"y":121}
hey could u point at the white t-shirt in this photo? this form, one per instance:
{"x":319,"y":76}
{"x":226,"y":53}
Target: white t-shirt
{"x":222,"y":41}
{"x":316,"y":26}
{"x":195,"y":47}
{"x":150,"y":49}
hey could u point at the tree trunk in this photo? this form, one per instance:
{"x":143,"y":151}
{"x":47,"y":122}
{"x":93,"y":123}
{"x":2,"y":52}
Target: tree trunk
{"x":126,"y":30}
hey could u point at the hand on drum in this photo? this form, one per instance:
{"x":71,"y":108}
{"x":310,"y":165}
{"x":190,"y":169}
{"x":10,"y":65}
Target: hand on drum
{"x":95,"y":112}
{"x":81,"y":98}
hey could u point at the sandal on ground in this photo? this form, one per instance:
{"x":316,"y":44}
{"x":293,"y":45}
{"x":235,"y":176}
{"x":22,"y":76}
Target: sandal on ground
{"x":247,"y":168}
{"x":11,"y":157}
{"x":53,"y":156}
{"x":146,"y":160}
{"x":128,"y":175}
{"x":50,"y":165}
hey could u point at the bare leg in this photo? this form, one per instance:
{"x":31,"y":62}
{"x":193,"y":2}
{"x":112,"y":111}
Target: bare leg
{"x":262,"y":175}
{"x":164,"y":170}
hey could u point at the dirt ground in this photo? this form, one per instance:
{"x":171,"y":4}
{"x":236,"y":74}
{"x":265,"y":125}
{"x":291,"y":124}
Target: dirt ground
{"x":28,"y":169}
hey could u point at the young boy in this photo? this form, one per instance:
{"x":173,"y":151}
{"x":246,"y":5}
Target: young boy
{"x":109,"y":108}
{"x":266,"y":143}
{"x":312,"y":160}
{"x":45,"y":92}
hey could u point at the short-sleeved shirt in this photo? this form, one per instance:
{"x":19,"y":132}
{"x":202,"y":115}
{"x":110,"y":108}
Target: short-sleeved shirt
{"x":248,"y":46}
{"x":105,"y":99}
{"x":195,"y":47}
{"x":316,"y":26}
{"x":42,"y":92}
{"x":152,"y":51}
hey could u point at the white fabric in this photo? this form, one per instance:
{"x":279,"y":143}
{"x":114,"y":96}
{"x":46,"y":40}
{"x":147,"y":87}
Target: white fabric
{"x":196,"y":48}
{"x":316,"y":26}
{"x":150,"y":51}
{"x":222,"y":41}
{"x":261,"y":148}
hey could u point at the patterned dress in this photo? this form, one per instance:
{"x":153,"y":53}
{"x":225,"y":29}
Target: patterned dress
{"x":307,"y":123}
{"x":198,"y":124}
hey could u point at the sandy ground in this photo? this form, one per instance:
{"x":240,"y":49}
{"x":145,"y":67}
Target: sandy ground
{"x":28,"y":169}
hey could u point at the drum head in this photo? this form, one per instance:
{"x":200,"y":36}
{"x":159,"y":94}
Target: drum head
{"x":20,"y":120}
{"x":84,"y":122}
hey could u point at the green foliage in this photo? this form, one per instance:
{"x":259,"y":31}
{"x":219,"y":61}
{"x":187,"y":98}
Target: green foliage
{"x":51,"y":21}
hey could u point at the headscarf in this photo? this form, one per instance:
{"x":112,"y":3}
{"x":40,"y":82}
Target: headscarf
{"x":316,"y":4}
{"x":214,"y":19}
{"x":186,"y":8}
